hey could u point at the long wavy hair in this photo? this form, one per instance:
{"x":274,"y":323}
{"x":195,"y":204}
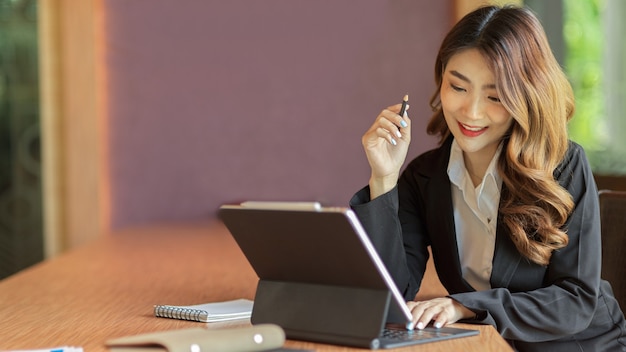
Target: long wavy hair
{"x":535,"y":91}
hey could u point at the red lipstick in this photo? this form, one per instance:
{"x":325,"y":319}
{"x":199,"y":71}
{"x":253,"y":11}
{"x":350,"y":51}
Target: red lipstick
{"x":473,"y":132}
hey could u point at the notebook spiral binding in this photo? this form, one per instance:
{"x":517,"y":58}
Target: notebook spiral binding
{"x":179,"y":313}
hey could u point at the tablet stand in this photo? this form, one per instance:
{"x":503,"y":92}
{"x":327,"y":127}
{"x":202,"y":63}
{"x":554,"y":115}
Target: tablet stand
{"x":330,"y":314}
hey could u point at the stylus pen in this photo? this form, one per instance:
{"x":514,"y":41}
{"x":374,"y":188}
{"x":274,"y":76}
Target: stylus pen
{"x":405,"y":101}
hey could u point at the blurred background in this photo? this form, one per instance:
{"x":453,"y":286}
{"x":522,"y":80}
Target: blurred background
{"x":122,"y":113}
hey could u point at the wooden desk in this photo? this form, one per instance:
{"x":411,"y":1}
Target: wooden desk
{"x":108,"y":288}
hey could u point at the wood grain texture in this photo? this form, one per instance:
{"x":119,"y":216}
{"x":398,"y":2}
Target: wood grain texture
{"x":107,"y":289}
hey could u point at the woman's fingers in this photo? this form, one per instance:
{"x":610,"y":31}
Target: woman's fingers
{"x":424,"y":313}
{"x":384,"y":133}
{"x":390,"y":126}
{"x":440,"y":311}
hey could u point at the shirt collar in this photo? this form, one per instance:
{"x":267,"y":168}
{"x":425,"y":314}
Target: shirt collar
{"x":458,"y":173}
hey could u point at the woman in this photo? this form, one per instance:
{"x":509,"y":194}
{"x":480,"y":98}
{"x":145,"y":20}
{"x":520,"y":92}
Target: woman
{"x":507,"y":204}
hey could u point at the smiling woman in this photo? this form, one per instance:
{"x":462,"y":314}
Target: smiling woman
{"x":501,"y":109}
{"x":472,"y":110}
{"x":540,"y":100}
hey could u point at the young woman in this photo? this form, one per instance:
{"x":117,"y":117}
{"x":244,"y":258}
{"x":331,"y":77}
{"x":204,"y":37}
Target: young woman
{"x":507,"y":203}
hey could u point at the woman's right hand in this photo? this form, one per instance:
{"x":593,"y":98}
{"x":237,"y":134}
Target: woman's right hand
{"x":386,"y":144}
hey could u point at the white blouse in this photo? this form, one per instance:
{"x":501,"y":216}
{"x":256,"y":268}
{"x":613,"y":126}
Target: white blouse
{"x":475,"y":217}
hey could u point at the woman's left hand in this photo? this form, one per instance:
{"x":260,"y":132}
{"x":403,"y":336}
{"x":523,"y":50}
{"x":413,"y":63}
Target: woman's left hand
{"x":441,"y":311}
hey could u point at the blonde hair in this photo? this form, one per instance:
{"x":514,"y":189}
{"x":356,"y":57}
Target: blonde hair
{"x":535,"y":91}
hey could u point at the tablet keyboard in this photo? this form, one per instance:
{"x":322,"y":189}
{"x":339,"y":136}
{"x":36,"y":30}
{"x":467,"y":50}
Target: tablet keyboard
{"x":408,"y":335}
{"x":396,"y":337}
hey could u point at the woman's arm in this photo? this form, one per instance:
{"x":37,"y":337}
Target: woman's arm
{"x":402,"y":245}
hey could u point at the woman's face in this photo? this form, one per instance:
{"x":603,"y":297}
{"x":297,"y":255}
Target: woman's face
{"x":471,"y":105}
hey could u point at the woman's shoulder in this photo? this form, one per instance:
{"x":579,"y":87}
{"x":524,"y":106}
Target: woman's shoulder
{"x":575,"y":150}
{"x":574,"y":169}
{"x":574,"y":159}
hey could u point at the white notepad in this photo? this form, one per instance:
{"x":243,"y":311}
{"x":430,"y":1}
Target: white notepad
{"x":207,"y":312}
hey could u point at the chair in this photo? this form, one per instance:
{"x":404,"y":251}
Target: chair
{"x":613,"y":222}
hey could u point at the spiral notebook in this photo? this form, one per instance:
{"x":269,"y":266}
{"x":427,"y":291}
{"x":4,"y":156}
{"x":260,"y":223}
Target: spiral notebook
{"x":207,"y":312}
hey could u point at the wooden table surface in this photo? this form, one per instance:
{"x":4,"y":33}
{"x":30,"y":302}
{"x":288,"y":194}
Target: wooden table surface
{"x":108,"y":288}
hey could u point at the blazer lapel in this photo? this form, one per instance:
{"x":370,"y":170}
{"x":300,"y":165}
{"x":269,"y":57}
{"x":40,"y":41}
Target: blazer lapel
{"x":436,"y":185}
{"x":506,"y":257}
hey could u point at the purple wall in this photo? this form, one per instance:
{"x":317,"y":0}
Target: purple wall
{"x":223,"y":101}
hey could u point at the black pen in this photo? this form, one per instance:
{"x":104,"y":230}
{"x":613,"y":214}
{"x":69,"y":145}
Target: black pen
{"x":405,"y":101}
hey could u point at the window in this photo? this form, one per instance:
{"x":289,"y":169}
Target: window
{"x":588,"y":42}
{"x":21,"y":239}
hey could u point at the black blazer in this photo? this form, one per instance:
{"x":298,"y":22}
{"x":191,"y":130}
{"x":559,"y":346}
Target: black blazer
{"x":563,"y":306}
